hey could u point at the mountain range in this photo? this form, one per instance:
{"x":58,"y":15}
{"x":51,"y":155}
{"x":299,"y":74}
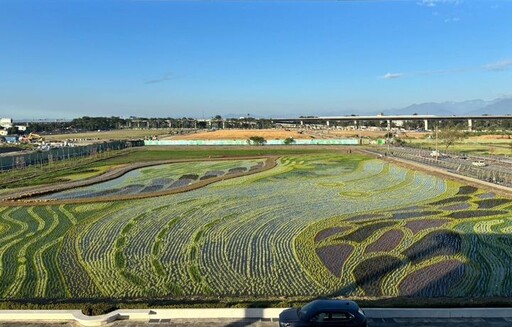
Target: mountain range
{"x":477,"y":107}
{"x":502,"y":106}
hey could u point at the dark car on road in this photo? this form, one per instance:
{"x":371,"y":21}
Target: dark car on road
{"x":324,"y":313}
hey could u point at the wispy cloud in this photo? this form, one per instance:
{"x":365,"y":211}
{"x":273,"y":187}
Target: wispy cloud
{"x":392,"y":75}
{"x":433,"y":3}
{"x":164,"y":78}
{"x":452,"y":20}
{"x":499,"y":66}
{"x":422,"y":73}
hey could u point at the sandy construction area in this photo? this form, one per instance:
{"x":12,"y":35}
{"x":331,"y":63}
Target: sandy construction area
{"x":239,"y":134}
{"x":244,"y":134}
{"x":272,"y":134}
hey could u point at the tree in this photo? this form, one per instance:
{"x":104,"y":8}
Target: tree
{"x":451,"y":135}
{"x":398,"y":142}
{"x":12,"y":130}
{"x":289,"y":141}
{"x":389,"y":135}
{"x":256,"y":140}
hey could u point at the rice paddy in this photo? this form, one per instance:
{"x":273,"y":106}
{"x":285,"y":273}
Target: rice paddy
{"x":317,"y":224}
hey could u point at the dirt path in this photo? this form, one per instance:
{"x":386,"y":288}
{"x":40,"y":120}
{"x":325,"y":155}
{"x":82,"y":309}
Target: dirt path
{"x":19,"y":198}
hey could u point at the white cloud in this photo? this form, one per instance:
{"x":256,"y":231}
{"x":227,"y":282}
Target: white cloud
{"x":499,"y":66}
{"x":392,"y":75}
{"x":433,"y":3}
{"x":452,"y":20}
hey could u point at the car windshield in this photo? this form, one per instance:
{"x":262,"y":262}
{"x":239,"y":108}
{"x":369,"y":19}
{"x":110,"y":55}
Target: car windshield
{"x":302,"y":312}
{"x":341,"y":316}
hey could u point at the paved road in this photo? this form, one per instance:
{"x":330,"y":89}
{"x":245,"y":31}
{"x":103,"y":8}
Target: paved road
{"x":386,"y":322}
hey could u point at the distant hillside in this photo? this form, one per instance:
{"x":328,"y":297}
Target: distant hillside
{"x":448,"y":108}
{"x":502,"y":106}
{"x":499,"y":107}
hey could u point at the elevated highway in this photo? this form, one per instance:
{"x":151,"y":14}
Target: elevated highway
{"x":427,"y":119}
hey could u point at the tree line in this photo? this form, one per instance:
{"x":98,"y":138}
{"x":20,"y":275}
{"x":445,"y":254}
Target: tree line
{"x":109,"y":123}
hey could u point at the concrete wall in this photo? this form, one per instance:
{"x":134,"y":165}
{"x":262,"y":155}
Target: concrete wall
{"x":145,"y":315}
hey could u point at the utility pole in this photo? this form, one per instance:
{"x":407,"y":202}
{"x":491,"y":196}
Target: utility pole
{"x":388,"y":141}
{"x":437,"y":150}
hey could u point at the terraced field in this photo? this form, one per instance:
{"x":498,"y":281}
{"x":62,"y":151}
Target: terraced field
{"x":313,"y":225}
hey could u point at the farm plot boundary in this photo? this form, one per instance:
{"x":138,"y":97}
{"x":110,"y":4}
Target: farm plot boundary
{"x":23,"y":198}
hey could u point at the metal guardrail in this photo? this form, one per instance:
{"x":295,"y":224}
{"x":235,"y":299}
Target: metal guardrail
{"x":498,"y":170}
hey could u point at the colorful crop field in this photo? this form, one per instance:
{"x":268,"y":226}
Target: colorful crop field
{"x":159,"y":178}
{"x":314,"y":225}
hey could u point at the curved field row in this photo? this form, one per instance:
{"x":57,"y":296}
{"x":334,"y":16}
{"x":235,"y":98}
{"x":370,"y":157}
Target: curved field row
{"x":312,"y":225}
{"x":397,"y":248}
{"x":41,"y":226}
{"x":30,"y":198}
{"x":164,"y":176}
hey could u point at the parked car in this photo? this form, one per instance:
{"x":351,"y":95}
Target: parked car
{"x":438,"y":155}
{"x":479,"y":163}
{"x":324,"y":313}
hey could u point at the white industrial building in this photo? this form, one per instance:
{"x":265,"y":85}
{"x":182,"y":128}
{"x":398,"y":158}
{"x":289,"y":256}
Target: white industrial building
{"x":6,"y":123}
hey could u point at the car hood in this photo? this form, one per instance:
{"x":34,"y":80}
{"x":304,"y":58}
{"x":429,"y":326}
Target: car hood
{"x":289,"y":315}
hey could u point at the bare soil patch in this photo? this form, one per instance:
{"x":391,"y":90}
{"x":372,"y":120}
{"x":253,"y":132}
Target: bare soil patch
{"x":278,"y":134}
{"x":241,"y":134}
{"x":492,"y":137}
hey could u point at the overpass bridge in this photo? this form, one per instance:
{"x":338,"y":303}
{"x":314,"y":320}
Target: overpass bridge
{"x":427,"y":119}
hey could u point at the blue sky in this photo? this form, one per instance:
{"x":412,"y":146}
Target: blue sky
{"x":70,"y":58}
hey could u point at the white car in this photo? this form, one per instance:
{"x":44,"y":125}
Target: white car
{"x":479,"y":163}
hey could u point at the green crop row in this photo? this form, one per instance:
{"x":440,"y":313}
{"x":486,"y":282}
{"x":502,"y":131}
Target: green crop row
{"x":274,"y":233}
